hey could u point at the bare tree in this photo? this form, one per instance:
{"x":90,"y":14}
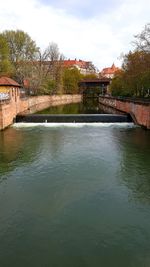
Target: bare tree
{"x":142,"y":41}
{"x":47,"y":70}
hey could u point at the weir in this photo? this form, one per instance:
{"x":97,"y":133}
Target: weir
{"x":70,"y":118}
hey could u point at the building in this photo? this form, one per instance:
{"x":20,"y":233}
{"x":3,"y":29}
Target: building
{"x":109,"y":72}
{"x":9,"y":89}
{"x":85,"y":67}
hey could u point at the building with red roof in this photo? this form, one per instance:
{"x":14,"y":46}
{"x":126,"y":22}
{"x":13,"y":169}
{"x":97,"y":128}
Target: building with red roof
{"x":5,"y":81}
{"x":85,"y":67}
{"x":9,"y":88}
{"x":109,"y":72}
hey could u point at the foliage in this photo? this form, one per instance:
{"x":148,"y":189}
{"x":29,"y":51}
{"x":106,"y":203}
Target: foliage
{"x":90,"y":76}
{"x":22,"y":50}
{"x":5,"y":64}
{"x":21,"y":46}
{"x":142,"y":40}
{"x":43,"y":71}
{"x":134,"y":80}
{"x":47,"y":87}
{"x":48,"y":71}
{"x":118,"y":85}
{"x":71,"y":78}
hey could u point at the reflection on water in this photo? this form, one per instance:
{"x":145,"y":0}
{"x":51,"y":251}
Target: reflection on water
{"x":75,"y":196}
{"x":135,"y":163}
{"x":88,"y":106}
{"x":15,"y":149}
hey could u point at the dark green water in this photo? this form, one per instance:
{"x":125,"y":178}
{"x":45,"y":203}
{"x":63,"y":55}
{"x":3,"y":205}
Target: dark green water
{"x":88,"y":106}
{"x":75,"y":196}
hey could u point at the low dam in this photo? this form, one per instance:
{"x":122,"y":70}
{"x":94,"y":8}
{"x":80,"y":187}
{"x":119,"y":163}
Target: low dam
{"x":42,"y":118}
{"x":139,"y":110}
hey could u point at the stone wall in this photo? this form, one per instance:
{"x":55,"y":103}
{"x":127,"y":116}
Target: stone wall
{"x":9,"y":109}
{"x":139,"y":110}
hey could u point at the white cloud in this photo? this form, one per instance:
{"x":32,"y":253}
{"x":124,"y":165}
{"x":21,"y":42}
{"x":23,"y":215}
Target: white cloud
{"x":100,"y":39}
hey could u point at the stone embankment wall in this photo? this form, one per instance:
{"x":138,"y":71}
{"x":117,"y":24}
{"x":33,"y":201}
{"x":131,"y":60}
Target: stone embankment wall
{"x":9,"y":109}
{"x":139,"y":110}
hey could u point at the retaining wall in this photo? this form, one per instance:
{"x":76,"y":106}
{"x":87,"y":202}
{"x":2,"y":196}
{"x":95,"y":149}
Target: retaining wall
{"x":9,"y":109}
{"x":139,"y":110}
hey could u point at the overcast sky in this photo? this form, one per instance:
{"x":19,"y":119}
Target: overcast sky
{"x":92,"y":30}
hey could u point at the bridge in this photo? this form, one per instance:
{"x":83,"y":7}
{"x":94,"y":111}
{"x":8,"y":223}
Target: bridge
{"x":94,"y":87}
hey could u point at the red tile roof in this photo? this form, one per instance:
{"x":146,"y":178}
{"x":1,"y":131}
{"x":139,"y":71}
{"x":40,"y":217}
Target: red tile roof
{"x":110,"y":70}
{"x":80,"y":63}
{"x":8,"y":82}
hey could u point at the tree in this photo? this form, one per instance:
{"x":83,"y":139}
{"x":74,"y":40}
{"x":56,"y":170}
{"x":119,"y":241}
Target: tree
{"x":53,"y":52}
{"x":134,"y":80}
{"x":90,"y":76}
{"x":119,"y":85}
{"x":22,"y":51}
{"x":71,"y":77}
{"x":142,"y":42}
{"x":21,"y":46}
{"x":47,"y":71}
{"x":6,"y":67}
{"x":47,"y":86}
{"x":137,"y":70}
{"x":55,"y":66}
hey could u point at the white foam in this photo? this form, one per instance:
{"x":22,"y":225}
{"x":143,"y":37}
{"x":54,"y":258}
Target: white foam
{"x":76,"y":125}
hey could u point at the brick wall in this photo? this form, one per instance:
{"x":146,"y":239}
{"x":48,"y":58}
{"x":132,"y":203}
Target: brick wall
{"x":139,"y":111}
{"x":9,"y":110}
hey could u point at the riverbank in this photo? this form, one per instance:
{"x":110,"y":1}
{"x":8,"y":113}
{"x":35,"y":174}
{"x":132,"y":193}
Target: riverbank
{"x":139,"y":110}
{"x":10,"y":109}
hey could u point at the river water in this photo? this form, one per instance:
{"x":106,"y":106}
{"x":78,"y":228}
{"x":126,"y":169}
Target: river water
{"x":88,"y":106}
{"x":75,"y":195}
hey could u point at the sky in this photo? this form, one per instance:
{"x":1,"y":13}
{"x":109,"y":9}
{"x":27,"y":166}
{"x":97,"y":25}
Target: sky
{"x":92,"y":30}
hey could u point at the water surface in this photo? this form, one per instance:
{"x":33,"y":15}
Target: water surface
{"x":87,"y":106}
{"x":74,"y":196}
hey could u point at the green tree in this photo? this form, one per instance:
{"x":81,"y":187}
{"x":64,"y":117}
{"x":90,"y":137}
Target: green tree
{"x":90,"y":76}
{"x":71,"y":77}
{"x":134,"y":80}
{"x":119,"y":85}
{"x":21,"y":46}
{"x":6,"y":67}
{"x":137,"y":72}
{"x":22,"y":51}
{"x":47,"y":87}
